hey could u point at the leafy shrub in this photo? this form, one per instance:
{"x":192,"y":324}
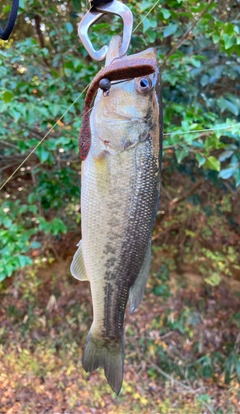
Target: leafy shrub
{"x":43,"y":71}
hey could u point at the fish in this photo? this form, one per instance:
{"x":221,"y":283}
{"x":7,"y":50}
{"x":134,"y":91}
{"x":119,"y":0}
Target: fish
{"x":120,"y":146}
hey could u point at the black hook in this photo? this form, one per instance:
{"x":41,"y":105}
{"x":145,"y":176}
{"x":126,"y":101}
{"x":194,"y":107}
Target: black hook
{"x":4,"y":34}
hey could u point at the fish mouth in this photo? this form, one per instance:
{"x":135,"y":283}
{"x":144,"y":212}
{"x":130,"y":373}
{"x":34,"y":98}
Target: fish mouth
{"x":120,"y":133}
{"x":119,"y":119}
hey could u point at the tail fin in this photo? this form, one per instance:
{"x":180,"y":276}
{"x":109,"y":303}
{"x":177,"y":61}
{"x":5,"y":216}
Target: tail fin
{"x":106,"y":355}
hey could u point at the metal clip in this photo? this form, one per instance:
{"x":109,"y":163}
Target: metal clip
{"x":96,"y":12}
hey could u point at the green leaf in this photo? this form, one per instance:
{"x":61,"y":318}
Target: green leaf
{"x":144,"y":5}
{"x":6,"y":9}
{"x":7,"y":96}
{"x":231,"y":107}
{"x":35,"y":245}
{"x":151,"y":34}
{"x":214,"y":279}
{"x":234,"y":161}
{"x":24,"y":261}
{"x":77,"y":5}
{"x":234,"y":99}
{"x":204,"y":80}
{"x":69,"y":27}
{"x":147,"y":23}
{"x":225,"y":155}
{"x":69,"y":65}
{"x":55,"y":109}
{"x":15,"y":114}
{"x":22,"y":4}
{"x":237,"y":176}
{"x":227,"y":173}
{"x":212,"y":142}
{"x":229,"y":40}
{"x":169,"y":30}
{"x":238,"y":367}
{"x":42,"y":154}
{"x":44,"y":111}
{"x":57,"y":226}
{"x":216,"y":38}
{"x":201,"y":160}
{"x":212,"y":163}
{"x":55,"y":73}
{"x":225,"y":104}
{"x":44,"y":225}
{"x":166,"y":13}
{"x":181,"y":154}
{"x":7,"y":222}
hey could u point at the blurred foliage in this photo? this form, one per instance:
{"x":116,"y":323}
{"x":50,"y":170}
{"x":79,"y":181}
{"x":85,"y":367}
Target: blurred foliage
{"x":191,"y":333}
{"x":199,"y":230}
{"x":182,"y":347}
{"x":43,"y":72}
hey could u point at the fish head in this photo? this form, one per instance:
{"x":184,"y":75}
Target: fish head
{"x":129,"y":113}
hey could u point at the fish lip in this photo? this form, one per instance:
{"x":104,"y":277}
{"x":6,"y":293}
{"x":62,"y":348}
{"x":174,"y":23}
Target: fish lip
{"x":110,"y":149}
{"x":119,"y":119}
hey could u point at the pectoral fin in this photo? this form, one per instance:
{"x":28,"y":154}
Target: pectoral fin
{"x":137,"y":290}
{"x":77,"y":266}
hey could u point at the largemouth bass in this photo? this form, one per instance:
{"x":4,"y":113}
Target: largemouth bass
{"x":120,"y":144}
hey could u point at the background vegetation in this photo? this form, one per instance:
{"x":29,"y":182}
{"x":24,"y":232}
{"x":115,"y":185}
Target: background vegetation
{"x":186,"y":332}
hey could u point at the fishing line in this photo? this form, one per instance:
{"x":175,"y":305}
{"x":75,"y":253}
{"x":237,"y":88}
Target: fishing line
{"x":166,"y":134}
{"x":51,"y":129}
{"x":196,"y":131}
{"x":146,"y":15}
{"x":41,"y":141}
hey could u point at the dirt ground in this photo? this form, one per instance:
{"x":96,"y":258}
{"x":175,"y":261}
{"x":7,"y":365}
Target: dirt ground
{"x":174,"y":347}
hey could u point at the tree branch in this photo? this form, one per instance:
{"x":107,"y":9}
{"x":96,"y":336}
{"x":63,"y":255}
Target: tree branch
{"x":37,"y":19}
{"x":185,"y":35}
{"x":187,"y":194}
{"x":179,"y":383}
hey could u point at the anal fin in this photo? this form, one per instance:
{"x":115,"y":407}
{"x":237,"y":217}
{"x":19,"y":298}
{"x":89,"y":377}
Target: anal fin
{"x":137,"y":290}
{"x":77,"y":267}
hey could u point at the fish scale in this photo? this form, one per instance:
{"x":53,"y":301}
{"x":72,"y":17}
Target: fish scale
{"x":119,"y":201}
{"x":134,"y":247}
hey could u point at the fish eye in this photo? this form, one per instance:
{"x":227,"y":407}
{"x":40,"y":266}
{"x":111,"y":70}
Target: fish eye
{"x":143,"y":85}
